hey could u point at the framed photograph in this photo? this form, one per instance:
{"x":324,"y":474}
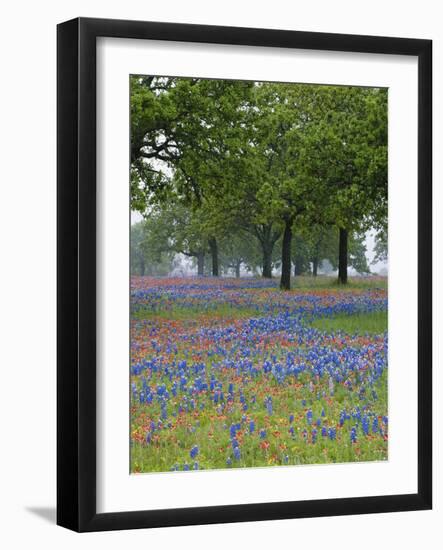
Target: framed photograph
{"x":244,"y":274}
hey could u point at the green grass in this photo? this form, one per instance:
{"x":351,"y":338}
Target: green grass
{"x":362,"y":323}
{"x":177,"y":313}
{"x":321,"y":282}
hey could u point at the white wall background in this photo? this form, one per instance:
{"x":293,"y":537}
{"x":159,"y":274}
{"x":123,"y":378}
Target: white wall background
{"x":27,"y":289}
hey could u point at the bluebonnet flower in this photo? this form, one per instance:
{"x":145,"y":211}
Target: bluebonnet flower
{"x":228,"y":461}
{"x":194,"y":451}
{"x":365,"y":425}
{"x":291,"y":418}
{"x":375,"y":425}
{"x":309,"y":416}
{"x":237,"y":453}
{"x":251,"y":426}
{"x":262,"y":434}
{"x":314,"y":435}
{"x":353,"y":435}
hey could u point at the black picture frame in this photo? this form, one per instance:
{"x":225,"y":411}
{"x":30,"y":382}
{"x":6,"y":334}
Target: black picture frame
{"x":76,"y":279}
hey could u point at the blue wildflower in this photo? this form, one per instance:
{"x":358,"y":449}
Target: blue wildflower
{"x":314,"y":435}
{"x":353,"y":435}
{"x":365,"y":425}
{"x":375,"y":425}
{"x":194,"y":451}
{"x":309,"y":417}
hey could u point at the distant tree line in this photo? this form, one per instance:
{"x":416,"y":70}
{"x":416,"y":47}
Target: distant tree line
{"x":154,"y":250}
{"x":256,"y":176}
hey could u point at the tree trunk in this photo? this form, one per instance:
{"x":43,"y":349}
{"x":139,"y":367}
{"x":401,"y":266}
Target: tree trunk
{"x":214,"y":255}
{"x":298,"y":268}
{"x":267,"y":239}
{"x":142,"y":266}
{"x":314,"y":267}
{"x":237,"y":268}
{"x":267,"y":261}
{"x":343,"y":257}
{"x":285,"y":281}
{"x":201,"y":264}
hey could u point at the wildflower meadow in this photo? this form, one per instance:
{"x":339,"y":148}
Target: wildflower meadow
{"x":231,"y":373}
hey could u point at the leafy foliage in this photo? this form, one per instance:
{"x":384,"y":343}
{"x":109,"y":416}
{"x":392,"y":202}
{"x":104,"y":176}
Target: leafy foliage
{"x":244,"y":171}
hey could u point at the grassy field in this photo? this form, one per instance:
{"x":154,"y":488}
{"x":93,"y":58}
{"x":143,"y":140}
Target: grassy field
{"x":323,"y":282}
{"x":358,"y":323}
{"x":202,"y":311}
{"x":235,"y":373}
